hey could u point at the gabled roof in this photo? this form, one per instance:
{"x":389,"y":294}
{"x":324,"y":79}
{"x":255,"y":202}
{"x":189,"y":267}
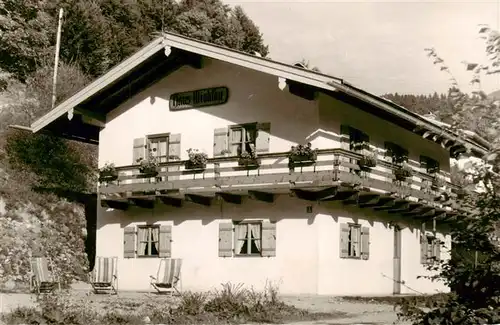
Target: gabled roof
{"x":162,"y":56}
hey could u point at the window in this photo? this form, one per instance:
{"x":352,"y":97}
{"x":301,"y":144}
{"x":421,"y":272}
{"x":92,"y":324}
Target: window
{"x":354,"y":241}
{"x":431,"y":166}
{"x":148,"y":240}
{"x":248,"y":238}
{"x":430,"y":249}
{"x":396,"y":153}
{"x":158,"y":147}
{"x":358,"y":140}
{"x":242,"y":138}
{"x":353,"y":249}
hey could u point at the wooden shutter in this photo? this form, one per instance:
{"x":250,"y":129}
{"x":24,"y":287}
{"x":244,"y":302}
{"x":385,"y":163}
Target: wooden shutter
{"x":174,"y":146}
{"x":365,"y":243}
{"x":174,"y":153}
{"x":220,"y":142}
{"x":344,"y":240}
{"x":263,"y":137}
{"x":129,"y":242}
{"x":423,"y":245}
{"x":165,"y":245}
{"x":225,"y":239}
{"x":437,"y":249}
{"x":139,"y":150}
{"x":268,"y":239}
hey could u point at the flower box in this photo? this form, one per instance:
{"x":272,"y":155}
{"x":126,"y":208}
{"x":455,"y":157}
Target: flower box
{"x":148,"y":167}
{"x":196,"y":161}
{"x":403,"y":172}
{"x":368,"y":161}
{"x":248,"y":159}
{"x":108,"y":173}
{"x":302,"y":155}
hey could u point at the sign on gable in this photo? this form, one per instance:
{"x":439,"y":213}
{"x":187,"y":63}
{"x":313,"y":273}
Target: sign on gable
{"x":199,"y":98}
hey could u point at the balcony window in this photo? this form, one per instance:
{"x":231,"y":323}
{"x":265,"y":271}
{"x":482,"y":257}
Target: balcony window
{"x":242,"y":138}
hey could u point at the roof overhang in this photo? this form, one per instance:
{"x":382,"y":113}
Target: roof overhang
{"x":83,"y":115}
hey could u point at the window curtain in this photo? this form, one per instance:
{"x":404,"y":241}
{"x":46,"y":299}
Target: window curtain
{"x":241,"y":235}
{"x":255,"y":229}
{"x":142,"y":236}
{"x":155,"y":237}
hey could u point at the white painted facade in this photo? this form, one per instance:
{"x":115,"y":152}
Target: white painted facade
{"x":307,"y":257}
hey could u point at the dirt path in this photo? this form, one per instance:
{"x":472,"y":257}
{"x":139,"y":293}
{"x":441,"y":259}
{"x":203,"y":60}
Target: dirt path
{"x":357,"y":312}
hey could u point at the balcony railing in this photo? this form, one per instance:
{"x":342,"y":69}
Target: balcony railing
{"x":333,"y":167}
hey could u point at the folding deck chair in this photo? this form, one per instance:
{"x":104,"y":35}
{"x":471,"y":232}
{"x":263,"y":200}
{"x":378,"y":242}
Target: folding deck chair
{"x":104,"y":276}
{"x":42,"y":276}
{"x":168,"y":277}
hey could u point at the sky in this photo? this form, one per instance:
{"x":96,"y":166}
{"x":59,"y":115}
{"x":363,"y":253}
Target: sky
{"x":379,"y":46}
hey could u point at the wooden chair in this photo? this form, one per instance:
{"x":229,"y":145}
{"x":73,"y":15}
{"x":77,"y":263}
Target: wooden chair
{"x":168,"y":277}
{"x":42,"y":276}
{"x":104,"y":276}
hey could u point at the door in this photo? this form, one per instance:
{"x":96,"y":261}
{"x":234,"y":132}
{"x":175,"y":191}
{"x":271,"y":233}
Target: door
{"x":397,"y":261}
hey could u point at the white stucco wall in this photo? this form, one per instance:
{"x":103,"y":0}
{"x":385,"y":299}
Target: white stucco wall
{"x":307,"y":249}
{"x":307,"y":258}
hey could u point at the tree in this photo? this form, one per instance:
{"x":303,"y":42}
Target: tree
{"x":26,"y":35}
{"x":99,"y":34}
{"x":475,"y":282}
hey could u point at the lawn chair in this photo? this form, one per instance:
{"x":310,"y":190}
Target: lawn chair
{"x":42,"y":276}
{"x":104,"y":276}
{"x":168,"y":277}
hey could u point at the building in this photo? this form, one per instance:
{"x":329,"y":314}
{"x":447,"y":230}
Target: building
{"x":313,"y":223}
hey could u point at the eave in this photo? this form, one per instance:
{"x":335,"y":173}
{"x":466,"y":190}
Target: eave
{"x":166,"y":54}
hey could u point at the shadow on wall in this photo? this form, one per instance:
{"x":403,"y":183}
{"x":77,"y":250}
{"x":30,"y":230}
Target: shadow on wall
{"x":254,"y":98}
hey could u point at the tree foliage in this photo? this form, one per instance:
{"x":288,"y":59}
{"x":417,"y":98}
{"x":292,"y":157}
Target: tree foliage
{"x":99,"y":34}
{"x":473,"y":272}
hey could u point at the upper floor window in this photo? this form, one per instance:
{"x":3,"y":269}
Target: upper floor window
{"x":396,"y":153}
{"x":242,"y":138}
{"x":157,"y":145}
{"x":358,"y":140}
{"x":431,"y":166}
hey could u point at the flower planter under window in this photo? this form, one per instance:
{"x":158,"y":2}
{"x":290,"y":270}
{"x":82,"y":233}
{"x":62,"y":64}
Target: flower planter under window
{"x":302,"y":155}
{"x":197,"y":160}
{"x":248,"y":160}
{"x":108,"y":176}
{"x":367,"y":161}
{"x":148,"y":171}
{"x":403,"y":172}
{"x":108,"y":173}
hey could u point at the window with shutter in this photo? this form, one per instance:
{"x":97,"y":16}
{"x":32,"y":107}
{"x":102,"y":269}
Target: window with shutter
{"x":148,"y":238}
{"x":351,"y":244}
{"x":242,"y":138}
{"x":129,"y":242}
{"x":248,"y":238}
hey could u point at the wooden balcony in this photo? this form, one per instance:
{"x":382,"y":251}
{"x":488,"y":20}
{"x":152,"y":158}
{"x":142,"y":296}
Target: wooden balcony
{"x":335,"y":175}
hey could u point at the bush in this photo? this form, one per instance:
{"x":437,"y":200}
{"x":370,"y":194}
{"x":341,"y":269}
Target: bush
{"x":231,"y":304}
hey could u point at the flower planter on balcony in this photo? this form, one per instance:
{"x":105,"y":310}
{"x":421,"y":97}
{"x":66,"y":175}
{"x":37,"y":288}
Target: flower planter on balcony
{"x":108,"y":176}
{"x":148,"y":171}
{"x":302,"y":155}
{"x":249,"y":162}
{"x":108,"y":173}
{"x":367,"y":162}
{"x":195,"y":166}
{"x":403,"y":172}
